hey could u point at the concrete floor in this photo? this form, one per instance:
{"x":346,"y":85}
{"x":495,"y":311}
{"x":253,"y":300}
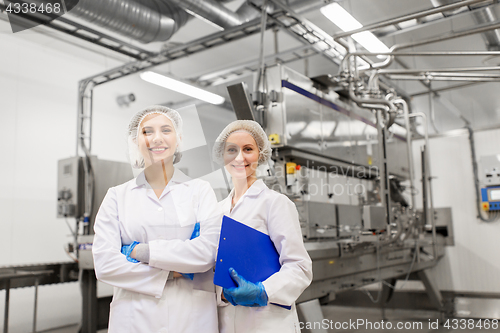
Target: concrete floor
{"x":414,"y":321}
{"x":338,"y":316}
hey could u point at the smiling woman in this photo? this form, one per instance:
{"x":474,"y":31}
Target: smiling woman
{"x":151,"y":228}
{"x":269,"y":305}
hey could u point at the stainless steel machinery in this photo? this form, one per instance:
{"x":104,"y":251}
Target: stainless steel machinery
{"x":83,"y":181}
{"x":349,"y":170}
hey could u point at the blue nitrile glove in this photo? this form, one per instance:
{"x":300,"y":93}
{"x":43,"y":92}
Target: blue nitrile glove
{"x":196,"y":233}
{"x":247,"y":293}
{"x":127,"y":250}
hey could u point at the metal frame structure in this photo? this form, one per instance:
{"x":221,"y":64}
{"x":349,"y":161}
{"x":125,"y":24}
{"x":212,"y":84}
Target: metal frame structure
{"x":422,"y":21}
{"x":34,"y":275}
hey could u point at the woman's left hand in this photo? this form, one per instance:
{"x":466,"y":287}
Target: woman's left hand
{"x":247,"y":293}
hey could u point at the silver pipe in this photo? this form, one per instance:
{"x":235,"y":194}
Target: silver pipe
{"x":127,"y":18}
{"x":408,"y":17}
{"x":477,"y":30}
{"x":376,"y":101}
{"x":6,"y":307}
{"x":262,"y":64}
{"x":481,"y":16}
{"x":480,"y":29}
{"x":458,"y":86}
{"x":433,"y":112}
{"x":35,"y":309}
{"x":431,"y":202}
{"x":210,"y":10}
{"x":390,"y":55}
{"x":441,"y":78}
{"x":403,"y":18}
{"x":218,"y":14}
{"x":454,"y":74}
{"x":463,"y":69}
{"x":408,"y":146}
{"x":246,"y":12}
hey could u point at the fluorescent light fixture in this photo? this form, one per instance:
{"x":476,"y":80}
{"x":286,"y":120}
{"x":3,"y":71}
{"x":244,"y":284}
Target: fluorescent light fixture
{"x":181,"y":87}
{"x":342,"y":19}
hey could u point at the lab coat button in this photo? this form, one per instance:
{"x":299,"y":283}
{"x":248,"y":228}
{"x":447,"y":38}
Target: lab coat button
{"x":160,"y":209}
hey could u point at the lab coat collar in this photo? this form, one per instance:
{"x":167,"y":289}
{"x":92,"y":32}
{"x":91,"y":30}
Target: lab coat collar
{"x":178,"y":177}
{"x":254,"y":190}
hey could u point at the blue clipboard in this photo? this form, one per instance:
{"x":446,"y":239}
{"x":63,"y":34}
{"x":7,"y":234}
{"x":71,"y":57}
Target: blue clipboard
{"x":250,"y":252}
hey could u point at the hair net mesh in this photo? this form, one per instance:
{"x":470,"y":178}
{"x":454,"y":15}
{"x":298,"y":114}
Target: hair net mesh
{"x":254,"y":129}
{"x":136,"y":158}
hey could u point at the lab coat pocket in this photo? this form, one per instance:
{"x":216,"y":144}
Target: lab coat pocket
{"x":204,"y":311}
{"x":120,"y":312}
{"x":257,"y":224}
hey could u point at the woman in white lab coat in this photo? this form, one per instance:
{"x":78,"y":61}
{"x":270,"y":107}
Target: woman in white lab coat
{"x":158,"y":210}
{"x":250,"y":307}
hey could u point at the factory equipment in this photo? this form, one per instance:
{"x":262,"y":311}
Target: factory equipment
{"x":73,"y":187}
{"x":82,"y":184}
{"x":74,"y":184}
{"x":348,"y":168}
{"x":490,"y":179}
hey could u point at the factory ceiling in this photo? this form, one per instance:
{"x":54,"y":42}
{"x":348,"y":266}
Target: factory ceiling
{"x":166,"y":25}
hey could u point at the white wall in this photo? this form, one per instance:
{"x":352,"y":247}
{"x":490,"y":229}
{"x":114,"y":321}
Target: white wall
{"x":38,"y":84}
{"x":472,"y":264}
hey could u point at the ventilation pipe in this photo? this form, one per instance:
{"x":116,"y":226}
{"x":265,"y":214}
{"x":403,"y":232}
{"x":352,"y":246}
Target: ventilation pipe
{"x":217,"y":13}
{"x":144,"y":21}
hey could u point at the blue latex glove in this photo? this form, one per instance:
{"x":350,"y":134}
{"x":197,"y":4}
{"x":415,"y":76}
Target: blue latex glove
{"x":127,"y":250}
{"x":247,"y":293}
{"x":196,"y":233}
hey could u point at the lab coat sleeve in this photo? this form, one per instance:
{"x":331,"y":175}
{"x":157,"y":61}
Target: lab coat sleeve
{"x":111,"y":266}
{"x":285,"y":286}
{"x":196,"y":255}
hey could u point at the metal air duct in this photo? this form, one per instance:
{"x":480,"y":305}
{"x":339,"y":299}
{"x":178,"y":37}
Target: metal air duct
{"x":210,"y":10}
{"x":145,"y":21}
{"x":217,"y":13}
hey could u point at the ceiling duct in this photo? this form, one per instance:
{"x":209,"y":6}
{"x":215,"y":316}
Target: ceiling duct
{"x":212,"y":11}
{"x":157,"y":20}
{"x":217,"y":13}
{"x":481,"y":16}
{"x":139,"y":20}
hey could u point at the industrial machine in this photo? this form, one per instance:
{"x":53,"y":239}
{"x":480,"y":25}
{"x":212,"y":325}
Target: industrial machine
{"x":349,"y":170}
{"x":83,"y":181}
{"x":490,"y":192}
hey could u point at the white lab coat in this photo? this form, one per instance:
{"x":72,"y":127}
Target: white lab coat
{"x":143,"y":300}
{"x":275,"y":215}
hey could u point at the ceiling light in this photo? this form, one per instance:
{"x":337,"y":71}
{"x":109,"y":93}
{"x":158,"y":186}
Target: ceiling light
{"x":342,"y":19}
{"x":181,"y":87}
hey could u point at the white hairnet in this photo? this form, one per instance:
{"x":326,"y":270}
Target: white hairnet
{"x":251,"y":127}
{"x":136,"y":158}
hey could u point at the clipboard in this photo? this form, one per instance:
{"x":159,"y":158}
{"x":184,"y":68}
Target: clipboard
{"x":250,"y":252}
